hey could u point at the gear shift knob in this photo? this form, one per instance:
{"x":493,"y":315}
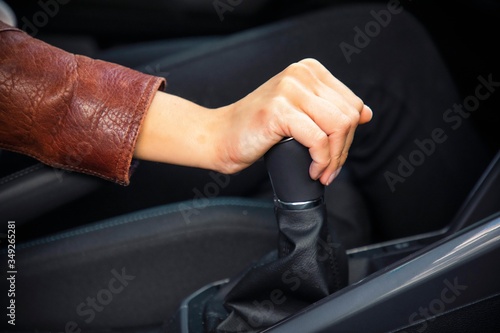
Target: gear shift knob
{"x":288,"y":167}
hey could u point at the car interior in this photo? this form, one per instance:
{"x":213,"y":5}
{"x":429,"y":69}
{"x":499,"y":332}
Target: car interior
{"x":68,"y":234}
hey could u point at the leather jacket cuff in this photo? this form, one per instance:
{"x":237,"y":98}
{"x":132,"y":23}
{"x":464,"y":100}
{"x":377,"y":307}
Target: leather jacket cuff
{"x":70,"y":111}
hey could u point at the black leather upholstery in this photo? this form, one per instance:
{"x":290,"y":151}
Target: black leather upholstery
{"x":307,"y":266}
{"x":38,"y":189}
{"x":166,"y":252}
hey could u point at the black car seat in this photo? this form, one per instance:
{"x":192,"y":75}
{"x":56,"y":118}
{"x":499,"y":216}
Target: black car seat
{"x":161,"y":255}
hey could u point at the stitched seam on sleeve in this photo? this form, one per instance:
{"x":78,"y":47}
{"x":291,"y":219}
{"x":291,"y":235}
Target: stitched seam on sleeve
{"x":42,"y":159}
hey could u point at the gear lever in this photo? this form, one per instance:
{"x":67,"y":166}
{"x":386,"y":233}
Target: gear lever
{"x":288,"y":167}
{"x":307,"y":266}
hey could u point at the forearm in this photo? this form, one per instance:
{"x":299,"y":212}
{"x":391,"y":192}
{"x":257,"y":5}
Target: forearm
{"x":177,"y":131}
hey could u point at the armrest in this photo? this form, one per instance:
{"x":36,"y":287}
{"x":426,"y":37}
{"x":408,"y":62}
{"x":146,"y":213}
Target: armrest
{"x":38,"y":189}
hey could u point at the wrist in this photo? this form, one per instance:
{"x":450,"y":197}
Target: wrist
{"x":223,"y":158}
{"x":177,"y":131}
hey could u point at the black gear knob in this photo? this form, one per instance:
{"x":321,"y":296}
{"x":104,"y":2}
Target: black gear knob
{"x":288,"y":167}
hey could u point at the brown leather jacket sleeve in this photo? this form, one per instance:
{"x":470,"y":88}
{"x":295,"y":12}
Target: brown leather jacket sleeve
{"x":70,"y":111}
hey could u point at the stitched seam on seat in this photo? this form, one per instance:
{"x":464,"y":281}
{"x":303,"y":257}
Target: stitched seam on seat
{"x":154,"y":212}
{"x":20,"y":173}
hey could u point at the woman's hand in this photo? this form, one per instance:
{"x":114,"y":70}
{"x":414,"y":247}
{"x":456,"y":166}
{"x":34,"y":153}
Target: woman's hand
{"x":305,"y":101}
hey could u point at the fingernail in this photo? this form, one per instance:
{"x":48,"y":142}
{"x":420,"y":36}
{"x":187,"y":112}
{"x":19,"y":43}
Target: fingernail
{"x":333,"y":176}
{"x":314,"y":174}
{"x":369,"y":108}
